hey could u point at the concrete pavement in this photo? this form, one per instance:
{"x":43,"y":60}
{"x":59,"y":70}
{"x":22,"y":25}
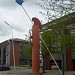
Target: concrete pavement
{"x":28,"y":71}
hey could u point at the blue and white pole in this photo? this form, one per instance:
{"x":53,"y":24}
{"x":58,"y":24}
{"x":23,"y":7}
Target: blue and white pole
{"x":20,"y":2}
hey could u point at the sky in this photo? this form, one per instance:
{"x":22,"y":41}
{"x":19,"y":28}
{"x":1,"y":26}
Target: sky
{"x":14,"y":15}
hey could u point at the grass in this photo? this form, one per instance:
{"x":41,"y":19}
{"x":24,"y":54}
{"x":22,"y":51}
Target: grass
{"x":27,"y":66}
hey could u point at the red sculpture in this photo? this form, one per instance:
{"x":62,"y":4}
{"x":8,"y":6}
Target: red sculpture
{"x":35,"y":46}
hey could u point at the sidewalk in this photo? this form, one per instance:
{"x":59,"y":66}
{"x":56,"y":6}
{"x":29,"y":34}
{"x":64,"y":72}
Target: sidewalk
{"x":56,"y":72}
{"x":27,"y":71}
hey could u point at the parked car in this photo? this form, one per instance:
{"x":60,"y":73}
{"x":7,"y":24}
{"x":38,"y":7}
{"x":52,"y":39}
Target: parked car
{"x":4,"y":68}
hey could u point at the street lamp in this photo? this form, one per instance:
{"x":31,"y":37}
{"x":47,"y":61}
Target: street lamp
{"x":12,"y":42}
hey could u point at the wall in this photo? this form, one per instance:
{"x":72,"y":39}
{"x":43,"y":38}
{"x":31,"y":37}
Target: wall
{"x":17,"y":54}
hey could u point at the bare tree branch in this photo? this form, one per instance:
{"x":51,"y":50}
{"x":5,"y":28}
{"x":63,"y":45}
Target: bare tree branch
{"x":57,"y":8}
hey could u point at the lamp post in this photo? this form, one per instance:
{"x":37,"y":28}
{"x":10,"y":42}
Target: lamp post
{"x":12,"y":42}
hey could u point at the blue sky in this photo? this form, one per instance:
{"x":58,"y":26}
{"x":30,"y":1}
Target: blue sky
{"x":13,"y":14}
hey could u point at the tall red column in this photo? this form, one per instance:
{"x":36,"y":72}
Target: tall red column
{"x":35,"y":46}
{"x":47,"y":62}
{"x":69,"y":62}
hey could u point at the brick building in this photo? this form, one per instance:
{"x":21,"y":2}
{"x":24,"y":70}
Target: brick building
{"x":6,"y":51}
{"x":61,"y":29}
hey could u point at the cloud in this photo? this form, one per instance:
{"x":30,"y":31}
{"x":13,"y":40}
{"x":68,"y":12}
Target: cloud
{"x":16,"y":18}
{"x":7,"y":4}
{"x":4,"y":31}
{"x":13,"y":14}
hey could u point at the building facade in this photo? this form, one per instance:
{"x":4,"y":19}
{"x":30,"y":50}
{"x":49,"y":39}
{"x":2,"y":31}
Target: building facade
{"x":61,"y":41}
{"x":7,"y":56}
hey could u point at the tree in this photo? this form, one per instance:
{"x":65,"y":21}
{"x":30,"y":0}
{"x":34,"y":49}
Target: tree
{"x":61,"y":36}
{"x":26,"y":50}
{"x":57,"y":8}
{"x":58,"y":29}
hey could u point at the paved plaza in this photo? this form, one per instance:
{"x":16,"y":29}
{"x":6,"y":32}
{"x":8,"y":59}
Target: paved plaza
{"x":28,"y":71}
